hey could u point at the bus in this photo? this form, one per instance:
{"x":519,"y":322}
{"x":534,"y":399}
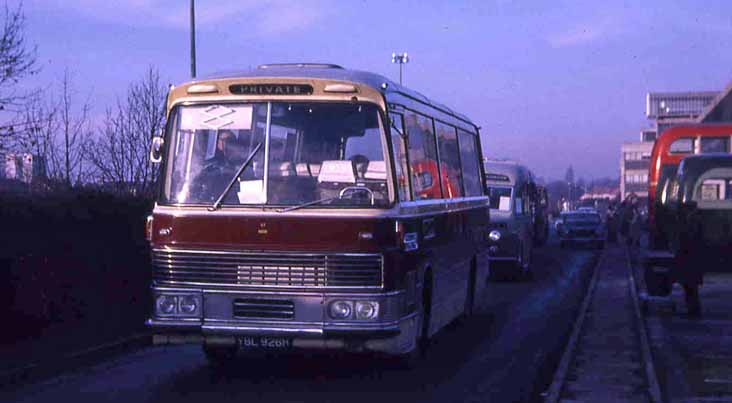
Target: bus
{"x":669,"y":149}
{"x":512,"y":192}
{"x":312,"y":207}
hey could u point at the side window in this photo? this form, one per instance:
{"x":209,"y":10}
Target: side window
{"x":422,"y":157}
{"x":470,"y":163}
{"x":399,"y":153}
{"x":713,"y":145}
{"x":452,"y":181}
{"x":715,"y":189}
{"x":518,"y":205}
{"x":683,"y":145}
{"x":521,"y":201}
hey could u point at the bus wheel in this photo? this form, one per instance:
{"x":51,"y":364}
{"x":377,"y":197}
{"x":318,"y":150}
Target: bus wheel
{"x":219,"y":356}
{"x":413,"y":358}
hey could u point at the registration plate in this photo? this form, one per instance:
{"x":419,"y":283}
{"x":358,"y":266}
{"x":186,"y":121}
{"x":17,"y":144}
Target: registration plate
{"x":265,"y":343}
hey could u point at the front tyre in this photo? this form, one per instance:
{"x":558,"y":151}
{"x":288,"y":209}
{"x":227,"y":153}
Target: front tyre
{"x":413,"y":358}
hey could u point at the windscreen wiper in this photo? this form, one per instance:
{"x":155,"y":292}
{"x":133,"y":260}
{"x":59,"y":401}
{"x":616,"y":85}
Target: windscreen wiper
{"x":244,"y":166}
{"x":310,"y":203}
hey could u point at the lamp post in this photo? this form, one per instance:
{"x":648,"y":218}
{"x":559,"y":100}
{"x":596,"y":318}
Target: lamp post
{"x":193,"y":39}
{"x":400,"y":59}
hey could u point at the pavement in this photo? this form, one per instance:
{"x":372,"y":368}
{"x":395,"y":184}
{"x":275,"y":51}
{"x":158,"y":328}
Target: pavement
{"x":693,"y":356}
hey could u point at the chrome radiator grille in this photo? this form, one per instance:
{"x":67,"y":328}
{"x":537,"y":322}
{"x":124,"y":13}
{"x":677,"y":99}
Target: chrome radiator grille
{"x":267,"y":269}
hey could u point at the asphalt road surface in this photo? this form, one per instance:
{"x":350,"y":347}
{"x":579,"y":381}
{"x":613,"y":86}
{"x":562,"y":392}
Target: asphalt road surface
{"x":507,"y":352}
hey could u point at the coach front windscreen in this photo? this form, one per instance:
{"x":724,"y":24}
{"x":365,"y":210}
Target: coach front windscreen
{"x":294,"y":155}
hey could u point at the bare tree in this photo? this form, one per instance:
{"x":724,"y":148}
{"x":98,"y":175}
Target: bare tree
{"x":39,"y":128}
{"x":53,"y":127}
{"x":120,"y":153}
{"x":17,"y":60}
{"x":74,"y":125}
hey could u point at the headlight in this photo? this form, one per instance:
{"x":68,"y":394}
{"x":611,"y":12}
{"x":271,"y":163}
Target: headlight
{"x":341,"y":309}
{"x":188,"y":304}
{"x":494,"y":235}
{"x":367,"y":309}
{"x":166,"y":304}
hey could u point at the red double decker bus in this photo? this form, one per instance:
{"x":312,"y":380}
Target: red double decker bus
{"x":669,"y":149}
{"x":313,"y":207}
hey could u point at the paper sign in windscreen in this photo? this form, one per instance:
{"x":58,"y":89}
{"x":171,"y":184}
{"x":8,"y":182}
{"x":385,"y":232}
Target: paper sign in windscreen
{"x":251,"y":191}
{"x":217,"y":117}
{"x":504,"y":203}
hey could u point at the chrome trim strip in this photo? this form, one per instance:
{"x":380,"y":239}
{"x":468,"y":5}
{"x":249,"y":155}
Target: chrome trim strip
{"x":397,"y":211}
{"x":167,"y":249}
{"x":281,"y":293}
{"x":257,"y":329}
{"x":307,"y":328}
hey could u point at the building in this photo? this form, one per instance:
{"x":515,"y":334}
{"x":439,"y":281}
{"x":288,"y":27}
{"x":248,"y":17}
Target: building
{"x":22,"y":167}
{"x":664,"y":110}
{"x":634,"y":164}
{"x":720,"y":110}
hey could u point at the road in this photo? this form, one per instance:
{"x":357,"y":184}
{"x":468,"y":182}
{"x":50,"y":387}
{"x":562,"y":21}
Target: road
{"x":506,"y":352}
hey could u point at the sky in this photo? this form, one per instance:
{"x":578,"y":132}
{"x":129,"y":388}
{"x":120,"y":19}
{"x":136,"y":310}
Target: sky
{"x":550,"y":83}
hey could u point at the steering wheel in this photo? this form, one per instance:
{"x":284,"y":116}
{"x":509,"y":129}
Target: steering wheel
{"x":356,"y":189}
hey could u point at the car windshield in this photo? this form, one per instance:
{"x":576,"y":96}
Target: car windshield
{"x":328,"y":153}
{"x":500,"y":197}
{"x":582,"y":218}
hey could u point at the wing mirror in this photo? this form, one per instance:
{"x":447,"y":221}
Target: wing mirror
{"x":156,"y":148}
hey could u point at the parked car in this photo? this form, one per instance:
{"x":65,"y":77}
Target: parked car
{"x":581,"y":227}
{"x":511,"y":234}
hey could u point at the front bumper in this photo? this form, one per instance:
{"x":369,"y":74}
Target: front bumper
{"x":309,"y":328}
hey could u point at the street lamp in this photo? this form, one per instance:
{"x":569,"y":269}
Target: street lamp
{"x":193,"y":39}
{"x":401,"y":59}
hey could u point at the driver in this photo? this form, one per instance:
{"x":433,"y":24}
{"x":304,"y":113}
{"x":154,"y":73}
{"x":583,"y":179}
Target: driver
{"x":227,"y":150}
{"x":213,"y":179}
